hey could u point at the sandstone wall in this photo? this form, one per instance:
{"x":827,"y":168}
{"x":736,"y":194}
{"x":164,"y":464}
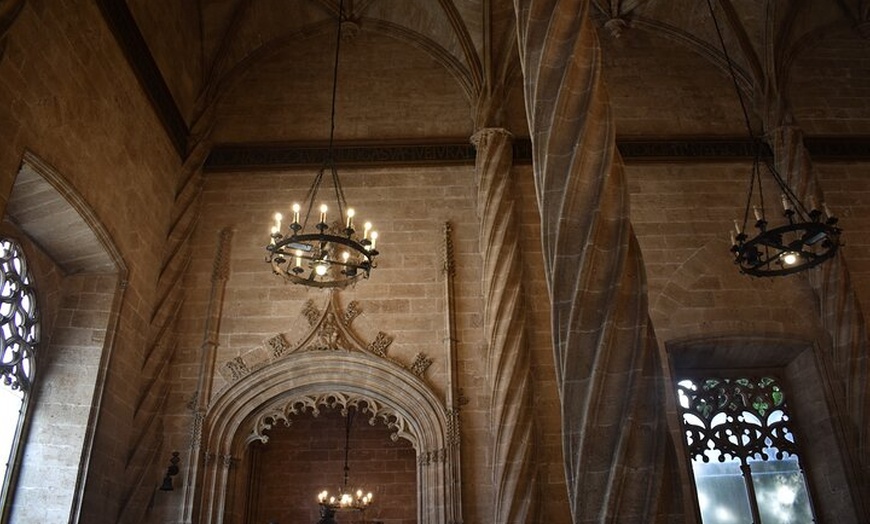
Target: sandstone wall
{"x":404,"y":297}
{"x":71,"y":99}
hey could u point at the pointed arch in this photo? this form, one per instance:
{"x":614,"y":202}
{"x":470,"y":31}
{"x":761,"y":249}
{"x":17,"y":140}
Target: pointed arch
{"x":338,"y":369}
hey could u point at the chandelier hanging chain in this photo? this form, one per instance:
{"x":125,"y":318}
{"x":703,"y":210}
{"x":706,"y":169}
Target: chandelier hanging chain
{"x":731,"y":70}
{"x":347,"y":446}
{"x":756,"y":143}
{"x":339,"y":193}
{"x":345,"y":499}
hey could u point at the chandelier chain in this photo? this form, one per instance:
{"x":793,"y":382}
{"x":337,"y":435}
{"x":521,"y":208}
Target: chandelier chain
{"x":731,"y":70}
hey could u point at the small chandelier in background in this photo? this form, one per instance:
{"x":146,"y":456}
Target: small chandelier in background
{"x":806,"y":237}
{"x":345,"y":499}
{"x":327,"y":254}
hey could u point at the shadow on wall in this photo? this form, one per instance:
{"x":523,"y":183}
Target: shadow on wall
{"x":78,"y":275}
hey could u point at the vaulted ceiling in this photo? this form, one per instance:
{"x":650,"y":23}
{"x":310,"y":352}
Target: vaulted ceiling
{"x":259,"y":71}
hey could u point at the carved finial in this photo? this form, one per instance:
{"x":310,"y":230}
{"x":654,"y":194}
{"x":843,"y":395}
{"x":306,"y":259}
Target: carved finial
{"x":277,"y":345}
{"x":453,"y":427}
{"x":221,"y":269}
{"x":353,"y":310}
{"x":312,"y":314}
{"x":237,"y":368}
{"x":421,"y":364}
{"x":447,"y":252}
{"x":380,"y":344}
{"x":616,"y":26}
{"x":329,"y":337}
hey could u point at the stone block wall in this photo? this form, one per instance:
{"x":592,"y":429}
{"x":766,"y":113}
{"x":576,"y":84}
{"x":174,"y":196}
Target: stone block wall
{"x":829,"y":86}
{"x":300,"y":461}
{"x":847,"y":191}
{"x":71,"y":99}
{"x":404,"y":298}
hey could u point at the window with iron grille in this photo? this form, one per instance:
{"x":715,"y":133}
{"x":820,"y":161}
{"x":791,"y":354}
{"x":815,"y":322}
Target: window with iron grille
{"x":744,"y":454}
{"x":19,"y":335}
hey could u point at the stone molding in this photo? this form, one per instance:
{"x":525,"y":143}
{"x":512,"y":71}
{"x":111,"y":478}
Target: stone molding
{"x":330,"y":331}
{"x":260,"y":157}
{"x":284,"y":410}
{"x":306,"y":379}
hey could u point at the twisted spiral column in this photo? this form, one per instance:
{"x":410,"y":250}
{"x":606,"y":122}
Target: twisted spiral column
{"x":514,"y":469}
{"x":840,"y":310}
{"x":615,"y":441}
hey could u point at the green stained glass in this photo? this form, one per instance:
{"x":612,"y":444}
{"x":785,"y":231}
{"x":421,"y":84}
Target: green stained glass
{"x":729,"y":422}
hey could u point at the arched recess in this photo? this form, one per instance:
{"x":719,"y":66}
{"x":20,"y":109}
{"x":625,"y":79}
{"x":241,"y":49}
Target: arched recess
{"x":802,"y":364}
{"x":80,"y":278}
{"x":238,"y":414}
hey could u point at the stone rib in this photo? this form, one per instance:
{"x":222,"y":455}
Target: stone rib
{"x":514,"y":471}
{"x":607,"y":370}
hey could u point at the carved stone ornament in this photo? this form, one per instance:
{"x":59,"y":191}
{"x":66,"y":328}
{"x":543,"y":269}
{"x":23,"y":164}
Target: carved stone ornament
{"x":330,"y":330}
{"x":237,"y":368}
{"x":282,"y":412}
{"x":278,"y":345}
{"x":421,"y":364}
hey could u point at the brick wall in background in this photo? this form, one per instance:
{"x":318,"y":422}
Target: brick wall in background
{"x":300,"y":461}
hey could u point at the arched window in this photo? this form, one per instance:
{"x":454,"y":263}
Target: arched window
{"x":743,"y":450}
{"x":19,"y":334}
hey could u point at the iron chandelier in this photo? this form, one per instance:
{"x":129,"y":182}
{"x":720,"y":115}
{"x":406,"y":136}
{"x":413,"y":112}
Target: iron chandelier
{"x":325,"y":254}
{"x":808,"y":236}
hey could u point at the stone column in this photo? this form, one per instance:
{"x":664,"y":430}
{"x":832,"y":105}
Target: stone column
{"x":512,"y":440}
{"x":618,"y":455}
{"x":840,"y":311}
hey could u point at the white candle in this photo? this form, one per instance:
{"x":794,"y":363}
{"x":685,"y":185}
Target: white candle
{"x":296,"y":209}
{"x":350,"y":214}
{"x":366,"y":228}
{"x":374,"y":238}
{"x":323,"y":209}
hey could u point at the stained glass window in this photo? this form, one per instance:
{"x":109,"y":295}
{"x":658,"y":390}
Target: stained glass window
{"x":744,"y":455}
{"x":19,"y":334}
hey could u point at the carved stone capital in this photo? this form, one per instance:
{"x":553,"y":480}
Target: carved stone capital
{"x":483,"y":137}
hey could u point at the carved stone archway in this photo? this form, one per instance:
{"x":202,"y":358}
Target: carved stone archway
{"x":315,"y":375}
